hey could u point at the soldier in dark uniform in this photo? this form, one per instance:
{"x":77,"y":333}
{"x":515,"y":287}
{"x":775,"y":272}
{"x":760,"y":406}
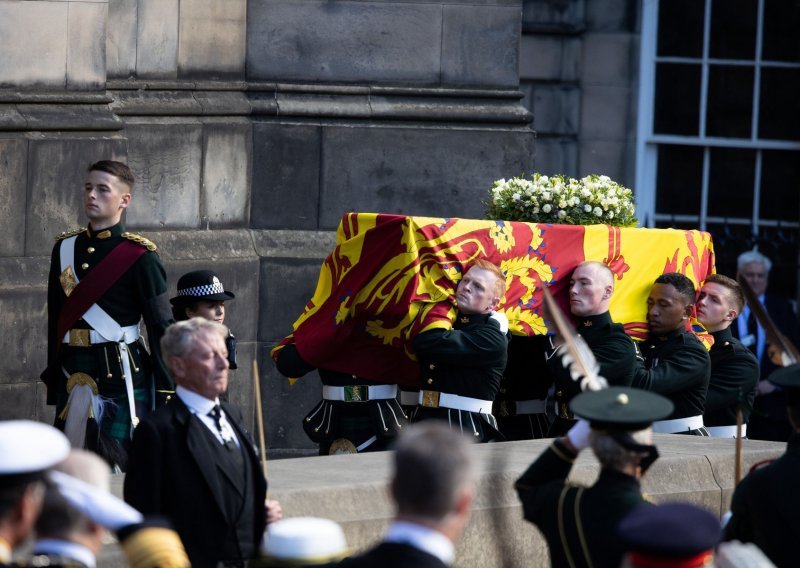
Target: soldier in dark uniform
{"x":201,"y":294}
{"x":676,"y":364}
{"x":765,"y":504}
{"x":579,"y":523}
{"x":355,"y":415}
{"x":102,"y":281}
{"x":590,"y":289}
{"x":461,"y":367}
{"x":521,"y":404}
{"x":734,"y":368}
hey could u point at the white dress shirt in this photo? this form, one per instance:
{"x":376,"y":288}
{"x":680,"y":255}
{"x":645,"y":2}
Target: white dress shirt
{"x":200,"y":406}
{"x":424,"y":538}
{"x":65,"y":549}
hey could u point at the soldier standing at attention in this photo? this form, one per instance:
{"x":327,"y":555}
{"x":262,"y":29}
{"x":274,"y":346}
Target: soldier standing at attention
{"x":461,"y":367}
{"x":590,"y":289}
{"x":103,"y":281}
{"x":676,"y":363}
{"x":734,"y":368}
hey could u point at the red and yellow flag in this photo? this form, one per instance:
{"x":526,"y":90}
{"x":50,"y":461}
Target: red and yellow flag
{"x":391,"y":277}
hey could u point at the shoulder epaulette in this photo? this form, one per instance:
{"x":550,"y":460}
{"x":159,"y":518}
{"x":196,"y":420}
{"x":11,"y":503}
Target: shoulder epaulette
{"x":67,"y":234}
{"x":139,"y":239}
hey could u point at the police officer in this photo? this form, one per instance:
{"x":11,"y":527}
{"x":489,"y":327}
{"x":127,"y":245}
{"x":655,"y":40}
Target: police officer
{"x":734,"y":368}
{"x":461,"y":367}
{"x":579,"y":523}
{"x":590,"y":289}
{"x":201,"y":294}
{"x":675,"y":363}
{"x":765,"y":504}
{"x":103,"y":281}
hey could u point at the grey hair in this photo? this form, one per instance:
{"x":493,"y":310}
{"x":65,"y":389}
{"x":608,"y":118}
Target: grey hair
{"x":178,"y":339}
{"x":432,"y":465}
{"x":753,"y":256}
{"x":611,"y":455}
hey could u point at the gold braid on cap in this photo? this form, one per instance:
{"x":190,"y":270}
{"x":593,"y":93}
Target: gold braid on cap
{"x":155,"y":547}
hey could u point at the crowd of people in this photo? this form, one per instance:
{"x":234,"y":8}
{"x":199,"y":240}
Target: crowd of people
{"x":161,"y":416}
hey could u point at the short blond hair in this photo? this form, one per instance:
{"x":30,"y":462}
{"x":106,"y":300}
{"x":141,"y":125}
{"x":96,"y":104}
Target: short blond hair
{"x":499,"y":277}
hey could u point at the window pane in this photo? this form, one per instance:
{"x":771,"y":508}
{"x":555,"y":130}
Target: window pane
{"x":680,"y":28}
{"x":678,"y":178}
{"x":677,"y":104}
{"x":730,"y":183}
{"x":781,"y":22}
{"x":779,"y":112}
{"x":733,"y":29}
{"x":780,"y":185}
{"x":729,"y":242}
{"x":730,"y":101}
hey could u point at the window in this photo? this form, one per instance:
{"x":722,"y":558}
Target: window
{"x":718,"y":144}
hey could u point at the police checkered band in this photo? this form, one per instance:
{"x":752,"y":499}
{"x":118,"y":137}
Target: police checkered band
{"x":205,"y":290}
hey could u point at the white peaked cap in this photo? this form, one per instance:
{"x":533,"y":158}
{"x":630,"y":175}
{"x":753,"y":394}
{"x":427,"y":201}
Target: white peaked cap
{"x":310,"y":539}
{"x":28,"y":447}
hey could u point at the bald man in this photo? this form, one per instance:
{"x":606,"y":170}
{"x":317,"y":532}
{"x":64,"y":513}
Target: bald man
{"x":590,"y":289}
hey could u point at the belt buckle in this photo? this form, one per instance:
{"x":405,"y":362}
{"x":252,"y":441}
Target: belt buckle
{"x":563,"y":411}
{"x":79,"y":338}
{"x":430,"y":399}
{"x":506,"y":408}
{"x":356,"y":393}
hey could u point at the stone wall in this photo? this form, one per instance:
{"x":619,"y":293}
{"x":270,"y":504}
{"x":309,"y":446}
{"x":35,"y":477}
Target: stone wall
{"x":251,"y":127}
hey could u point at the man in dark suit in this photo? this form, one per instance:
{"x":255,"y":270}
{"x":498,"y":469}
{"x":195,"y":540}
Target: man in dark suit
{"x":734,"y":369}
{"x":765,"y":504}
{"x":461,"y":367}
{"x":579,"y":523}
{"x":433,"y":487}
{"x":768,"y":421}
{"x":193,"y":462}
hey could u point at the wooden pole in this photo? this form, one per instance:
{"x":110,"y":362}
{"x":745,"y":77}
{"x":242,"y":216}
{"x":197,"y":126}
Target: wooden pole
{"x":259,"y":418}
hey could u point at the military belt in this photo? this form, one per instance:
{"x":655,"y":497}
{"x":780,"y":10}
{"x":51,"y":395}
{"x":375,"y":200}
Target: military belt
{"x":521,"y":407}
{"x":359,"y":393}
{"x":677,"y":425}
{"x":436,"y":399}
{"x":409,"y":398}
{"x":89,"y":337}
{"x":725,"y":431}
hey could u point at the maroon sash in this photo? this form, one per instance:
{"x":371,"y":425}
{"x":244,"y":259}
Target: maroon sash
{"x":92,"y":287}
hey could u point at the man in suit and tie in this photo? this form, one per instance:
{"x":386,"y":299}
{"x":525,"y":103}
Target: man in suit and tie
{"x":193,"y":462}
{"x":433,"y":488}
{"x":768,"y":420}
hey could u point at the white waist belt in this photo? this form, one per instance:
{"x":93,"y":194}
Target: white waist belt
{"x":374,"y":392}
{"x":725,"y":431}
{"x":409,"y":398}
{"x":127,"y":334}
{"x":535,"y":406}
{"x":447,"y":400}
{"x":678,"y":425}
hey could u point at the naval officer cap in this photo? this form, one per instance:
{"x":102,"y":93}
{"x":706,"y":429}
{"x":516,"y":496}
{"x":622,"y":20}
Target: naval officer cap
{"x":28,"y":449}
{"x":621,"y":408}
{"x":303,"y":541}
{"x":200,"y":285}
{"x":672,"y":534}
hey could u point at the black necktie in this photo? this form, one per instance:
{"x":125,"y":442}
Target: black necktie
{"x":216,"y":414}
{"x":752,"y":330}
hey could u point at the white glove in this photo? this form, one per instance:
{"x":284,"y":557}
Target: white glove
{"x":579,"y":434}
{"x":502,"y":320}
{"x":97,"y":504}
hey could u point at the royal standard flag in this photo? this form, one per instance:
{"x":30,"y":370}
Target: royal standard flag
{"x":391,"y":277}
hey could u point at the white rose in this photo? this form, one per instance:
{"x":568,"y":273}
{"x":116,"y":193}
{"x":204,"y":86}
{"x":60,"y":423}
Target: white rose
{"x":535,"y":210}
{"x":562,"y":214}
{"x":587,"y":208}
{"x":597,"y":211}
{"x":610,"y":214}
{"x":547,"y":208}
{"x":547,"y":196}
{"x":516,"y":196}
{"x":562,"y":204}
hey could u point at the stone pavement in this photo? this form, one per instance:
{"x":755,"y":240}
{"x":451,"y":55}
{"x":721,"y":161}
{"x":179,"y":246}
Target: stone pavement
{"x":352,"y":490}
